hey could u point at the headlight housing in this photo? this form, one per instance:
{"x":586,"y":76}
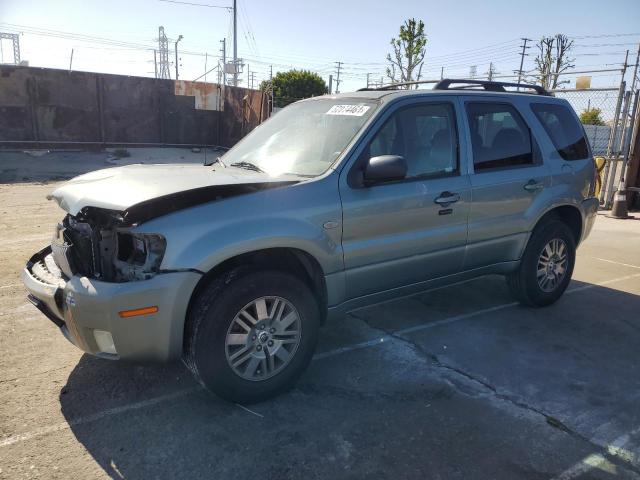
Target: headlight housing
{"x":138,"y":255}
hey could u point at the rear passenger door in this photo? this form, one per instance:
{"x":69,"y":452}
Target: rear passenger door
{"x":508,"y":180}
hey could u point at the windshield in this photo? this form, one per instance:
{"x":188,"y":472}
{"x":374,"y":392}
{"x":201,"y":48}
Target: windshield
{"x":304,"y":138}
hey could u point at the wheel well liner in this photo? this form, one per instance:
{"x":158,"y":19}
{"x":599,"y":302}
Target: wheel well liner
{"x":292,"y":260}
{"x":568,"y":214}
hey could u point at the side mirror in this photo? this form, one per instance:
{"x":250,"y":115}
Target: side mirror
{"x":385,"y":168}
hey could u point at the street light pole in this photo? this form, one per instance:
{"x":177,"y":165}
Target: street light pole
{"x":176,"y":47}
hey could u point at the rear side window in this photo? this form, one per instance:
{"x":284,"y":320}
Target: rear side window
{"x":499,"y":136}
{"x":564,"y":130}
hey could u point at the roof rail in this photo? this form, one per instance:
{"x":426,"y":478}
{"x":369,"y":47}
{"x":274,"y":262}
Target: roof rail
{"x":445,"y":84}
{"x":488,"y":85}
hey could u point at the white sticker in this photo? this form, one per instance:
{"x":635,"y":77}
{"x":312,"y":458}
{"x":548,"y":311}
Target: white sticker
{"x":353,"y":110}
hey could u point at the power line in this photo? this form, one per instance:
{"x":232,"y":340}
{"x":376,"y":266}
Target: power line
{"x":197,"y":4}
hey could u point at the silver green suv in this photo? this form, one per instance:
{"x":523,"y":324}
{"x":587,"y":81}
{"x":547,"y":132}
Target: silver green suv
{"x":334,"y":203}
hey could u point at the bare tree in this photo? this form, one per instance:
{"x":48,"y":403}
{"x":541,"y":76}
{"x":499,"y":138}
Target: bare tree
{"x":408,"y":52}
{"x":553,"y":59}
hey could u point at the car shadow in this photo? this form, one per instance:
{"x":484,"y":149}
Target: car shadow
{"x":154,"y":421}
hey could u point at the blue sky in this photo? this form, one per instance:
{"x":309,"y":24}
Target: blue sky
{"x":313,"y":35}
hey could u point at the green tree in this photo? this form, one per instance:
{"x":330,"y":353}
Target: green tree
{"x":294,"y":85}
{"x":592,"y":116}
{"x":408,"y":52}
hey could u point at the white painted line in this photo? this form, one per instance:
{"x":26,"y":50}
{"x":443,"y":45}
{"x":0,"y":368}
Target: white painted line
{"x":617,"y":263}
{"x":21,"y":437}
{"x":456,"y":318}
{"x":11,"y":285}
{"x":249,"y":410}
{"x":371,"y":343}
{"x":596,"y":460}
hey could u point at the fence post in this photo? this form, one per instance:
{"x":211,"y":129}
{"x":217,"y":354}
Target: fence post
{"x":31,"y":95}
{"x":100,"y":102}
{"x":619,"y":150}
{"x":612,"y":139}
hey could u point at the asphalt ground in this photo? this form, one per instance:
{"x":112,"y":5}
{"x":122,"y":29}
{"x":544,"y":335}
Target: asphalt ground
{"x":458,"y":383}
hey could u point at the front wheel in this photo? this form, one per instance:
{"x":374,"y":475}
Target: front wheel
{"x":252,"y":334}
{"x":546,"y":266}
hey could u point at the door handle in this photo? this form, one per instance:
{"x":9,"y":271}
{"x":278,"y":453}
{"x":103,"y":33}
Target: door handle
{"x":447,"y":198}
{"x":533,"y":186}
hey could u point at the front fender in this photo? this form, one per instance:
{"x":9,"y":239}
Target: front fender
{"x":217,"y":245}
{"x":291,"y":217}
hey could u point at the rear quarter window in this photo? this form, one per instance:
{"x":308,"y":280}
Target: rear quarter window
{"x":563,"y":128}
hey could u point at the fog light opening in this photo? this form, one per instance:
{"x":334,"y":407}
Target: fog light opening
{"x":104,"y":340}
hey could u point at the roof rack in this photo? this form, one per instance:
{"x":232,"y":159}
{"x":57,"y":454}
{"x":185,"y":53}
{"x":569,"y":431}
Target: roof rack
{"x":465,"y":83}
{"x":488,"y":85}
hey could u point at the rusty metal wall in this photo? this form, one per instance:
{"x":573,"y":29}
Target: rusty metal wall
{"x":50,"y":107}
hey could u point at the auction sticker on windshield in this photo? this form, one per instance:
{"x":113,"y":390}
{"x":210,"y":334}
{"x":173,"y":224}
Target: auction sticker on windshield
{"x":355,"y":110}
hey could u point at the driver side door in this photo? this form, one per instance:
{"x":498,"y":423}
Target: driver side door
{"x":404,"y":232}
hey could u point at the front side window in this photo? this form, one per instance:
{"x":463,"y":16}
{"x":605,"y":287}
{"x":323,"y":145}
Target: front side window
{"x":564,"y":130}
{"x":424,"y":135}
{"x":304,"y":138}
{"x":499,"y":136}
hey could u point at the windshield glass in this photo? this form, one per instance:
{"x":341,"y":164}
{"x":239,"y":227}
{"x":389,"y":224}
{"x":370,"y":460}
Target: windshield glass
{"x":303,"y":139}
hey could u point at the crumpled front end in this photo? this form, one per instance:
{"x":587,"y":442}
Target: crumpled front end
{"x":100,"y":282}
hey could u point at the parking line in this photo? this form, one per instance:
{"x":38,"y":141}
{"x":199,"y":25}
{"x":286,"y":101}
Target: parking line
{"x":456,"y":318}
{"x":371,"y":343}
{"x":617,"y":263}
{"x":596,"y":460}
{"x":21,"y":437}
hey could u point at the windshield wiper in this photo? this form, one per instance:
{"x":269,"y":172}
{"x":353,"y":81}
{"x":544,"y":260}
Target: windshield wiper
{"x":247,"y":166}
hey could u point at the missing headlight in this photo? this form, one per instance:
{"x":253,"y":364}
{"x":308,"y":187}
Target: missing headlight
{"x":139,"y":255}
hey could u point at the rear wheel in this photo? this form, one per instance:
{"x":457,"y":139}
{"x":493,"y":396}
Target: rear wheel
{"x":546,"y":266}
{"x":252,"y":334}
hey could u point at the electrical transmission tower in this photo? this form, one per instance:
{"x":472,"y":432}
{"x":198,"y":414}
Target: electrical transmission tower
{"x":473,"y":71}
{"x":163,"y":50}
{"x":15,"y":39}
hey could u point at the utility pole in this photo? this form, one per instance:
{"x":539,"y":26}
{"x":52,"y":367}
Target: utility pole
{"x":248,"y":75}
{"x":177,"y":61}
{"x":235,"y":43}
{"x":339,"y":65}
{"x":71,"y":60}
{"x":522,"y":55}
{"x":491,"y":72}
{"x":441,"y":73}
{"x":155,"y":61}
{"x":270,"y":73}
{"x":223,"y":50}
{"x":368,"y":79}
{"x":330,"y":84}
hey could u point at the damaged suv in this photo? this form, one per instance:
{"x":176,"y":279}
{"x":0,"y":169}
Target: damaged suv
{"x":334,"y":203}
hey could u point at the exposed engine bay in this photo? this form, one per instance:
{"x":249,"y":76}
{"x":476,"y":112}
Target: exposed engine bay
{"x":96,"y":243}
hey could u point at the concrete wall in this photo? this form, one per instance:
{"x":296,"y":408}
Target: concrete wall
{"x":56,"y":106}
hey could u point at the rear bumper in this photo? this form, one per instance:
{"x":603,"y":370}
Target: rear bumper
{"x":79,"y":306}
{"x":590,"y":212}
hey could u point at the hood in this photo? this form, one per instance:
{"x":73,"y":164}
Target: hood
{"x":149,"y":187}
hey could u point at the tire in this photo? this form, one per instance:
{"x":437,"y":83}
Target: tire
{"x":221,"y":334}
{"x":527,"y":284}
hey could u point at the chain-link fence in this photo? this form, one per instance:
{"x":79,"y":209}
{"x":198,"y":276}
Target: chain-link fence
{"x":597,"y":110}
{"x":608,"y":116}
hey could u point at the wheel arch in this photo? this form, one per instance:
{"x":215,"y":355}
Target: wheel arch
{"x":569,"y":214}
{"x":286,"y":259}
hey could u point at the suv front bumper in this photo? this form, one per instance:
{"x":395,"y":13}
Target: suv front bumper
{"x":80,"y":306}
